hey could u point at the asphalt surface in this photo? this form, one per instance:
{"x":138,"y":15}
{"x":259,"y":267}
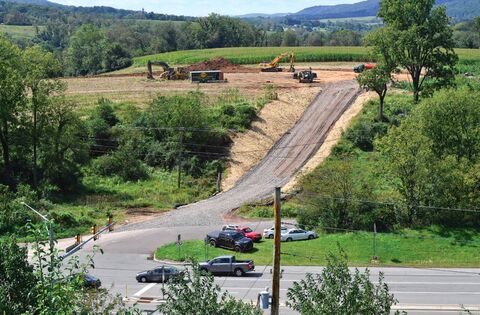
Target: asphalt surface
{"x":126,"y":253}
{"x":280,"y":164}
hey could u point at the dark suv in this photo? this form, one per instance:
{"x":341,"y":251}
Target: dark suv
{"x":229,"y":240}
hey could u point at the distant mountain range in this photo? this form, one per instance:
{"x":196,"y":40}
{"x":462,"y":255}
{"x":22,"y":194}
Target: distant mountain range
{"x":457,"y":9}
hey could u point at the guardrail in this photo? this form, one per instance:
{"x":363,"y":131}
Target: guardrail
{"x":81,"y":244}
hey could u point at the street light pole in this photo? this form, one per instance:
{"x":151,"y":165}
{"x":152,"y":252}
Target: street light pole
{"x":50,"y":225}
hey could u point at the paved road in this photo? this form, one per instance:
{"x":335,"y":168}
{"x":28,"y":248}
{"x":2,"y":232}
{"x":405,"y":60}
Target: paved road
{"x":126,"y":253}
{"x":280,"y":164}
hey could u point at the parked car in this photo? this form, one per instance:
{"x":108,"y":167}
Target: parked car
{"x":229,"y":240}
{"x":90,"y":281}
{"x":268,"y":233}
{"x":297,"y":234}
{"x":230,"y":227}
{"x":160,"y":274}
{"x":227,"y":265}
{"x":86,"y":280}
{"x":246,"y":231}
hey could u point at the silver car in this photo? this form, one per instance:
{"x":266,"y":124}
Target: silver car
{"x":297,"y":234}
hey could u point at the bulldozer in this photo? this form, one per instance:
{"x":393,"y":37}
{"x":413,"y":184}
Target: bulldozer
{"x":168,"y":72}
{"x":305,"y":76}
{"x":272,"y":66}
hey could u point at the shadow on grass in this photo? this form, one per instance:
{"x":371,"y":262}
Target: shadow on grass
{"x":459,"y":236}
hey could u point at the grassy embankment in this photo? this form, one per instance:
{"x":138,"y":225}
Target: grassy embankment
{"x":103,"y":196}
{"x":423,"y":248}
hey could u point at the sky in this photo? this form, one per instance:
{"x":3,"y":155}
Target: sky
{"x":204,"y":7}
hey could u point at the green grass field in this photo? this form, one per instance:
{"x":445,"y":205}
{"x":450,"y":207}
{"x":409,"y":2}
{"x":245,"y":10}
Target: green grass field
{"x":19,"y":32}
{"x":411,"y":248}
{"x":253,"y":55}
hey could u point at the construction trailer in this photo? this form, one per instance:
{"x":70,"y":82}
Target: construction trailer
{"x":208,"y":76}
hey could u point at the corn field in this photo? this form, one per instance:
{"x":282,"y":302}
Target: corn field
{"x":254,"y":55}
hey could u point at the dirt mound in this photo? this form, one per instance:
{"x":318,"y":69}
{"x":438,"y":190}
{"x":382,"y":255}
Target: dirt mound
{"x":218,"y":63}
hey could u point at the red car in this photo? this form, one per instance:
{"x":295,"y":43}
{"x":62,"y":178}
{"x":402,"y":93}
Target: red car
{"x":246,"y":231}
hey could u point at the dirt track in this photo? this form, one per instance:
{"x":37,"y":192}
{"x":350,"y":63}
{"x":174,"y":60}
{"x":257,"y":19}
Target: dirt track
{"x":286,"y":157}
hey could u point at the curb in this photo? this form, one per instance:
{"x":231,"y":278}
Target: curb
{"x":171,"y":262}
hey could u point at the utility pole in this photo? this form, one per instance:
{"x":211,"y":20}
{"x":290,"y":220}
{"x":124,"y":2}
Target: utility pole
{"x":219,"y":177}
{"x":51,"y":235}
{"x":179,"y":162}
{"x":276,"y":254}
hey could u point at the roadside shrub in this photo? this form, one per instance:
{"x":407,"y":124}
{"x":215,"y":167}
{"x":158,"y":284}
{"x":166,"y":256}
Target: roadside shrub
{"x":121,"y":164}
{"x":236,"y":116}
{"x":64,"y":219}
{"x":363,"y":133}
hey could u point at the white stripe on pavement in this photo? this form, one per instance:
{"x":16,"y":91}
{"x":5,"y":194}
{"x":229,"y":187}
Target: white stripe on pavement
{"x":145,"y":289}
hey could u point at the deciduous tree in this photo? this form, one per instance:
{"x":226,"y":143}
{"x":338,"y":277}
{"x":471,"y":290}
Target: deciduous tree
{"x":419,"y":39}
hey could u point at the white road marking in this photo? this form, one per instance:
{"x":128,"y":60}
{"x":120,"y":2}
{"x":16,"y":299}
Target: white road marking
{"x":439,"y":293}
{"x":221,"y":279}
{"x":145,"y":289}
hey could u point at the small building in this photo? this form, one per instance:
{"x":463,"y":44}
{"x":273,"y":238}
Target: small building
{"x":208,"y":76}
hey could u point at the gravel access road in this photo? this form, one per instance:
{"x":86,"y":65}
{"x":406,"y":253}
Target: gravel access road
{"x":280,"y":164}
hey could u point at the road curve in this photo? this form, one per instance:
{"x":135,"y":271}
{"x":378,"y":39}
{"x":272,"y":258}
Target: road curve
{"x":284,"y":159}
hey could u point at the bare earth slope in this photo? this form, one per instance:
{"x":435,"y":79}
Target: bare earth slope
{"x":285,"y":158}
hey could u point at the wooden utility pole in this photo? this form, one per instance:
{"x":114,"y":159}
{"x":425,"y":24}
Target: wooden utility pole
{"x":276,"y":254}
{"x":179,"y":162}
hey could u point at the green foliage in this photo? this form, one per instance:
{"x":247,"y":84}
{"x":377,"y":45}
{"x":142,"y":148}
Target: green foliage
{"x":452,"y":122}
{"x":12,"y":214}
{"x":199,"y":295}
{"x":86,"y":50}
{"x":376,"y":80}
{"x":417,"y":37}
{"x":120,"y":163}
{"x":289,"y":210}
{"x":433,"y":156}
{"x":336,"y":291}
{"x":116,"y":57}
{"x":16,"y":278}
{"x":47,"y":284}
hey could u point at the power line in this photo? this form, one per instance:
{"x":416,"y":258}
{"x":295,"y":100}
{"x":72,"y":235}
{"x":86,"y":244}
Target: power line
{"x":388,"y":203}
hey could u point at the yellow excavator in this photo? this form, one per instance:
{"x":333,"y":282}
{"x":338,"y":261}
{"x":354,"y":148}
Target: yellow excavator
{"x":272,"y":66}
{"x":168,"y":73}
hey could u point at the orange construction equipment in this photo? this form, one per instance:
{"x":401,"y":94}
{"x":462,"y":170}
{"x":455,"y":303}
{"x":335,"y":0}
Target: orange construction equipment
{"x":272,"y":66}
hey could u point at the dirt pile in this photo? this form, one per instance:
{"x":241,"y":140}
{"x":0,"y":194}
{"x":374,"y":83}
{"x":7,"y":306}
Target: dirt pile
{"x":218,"y":63}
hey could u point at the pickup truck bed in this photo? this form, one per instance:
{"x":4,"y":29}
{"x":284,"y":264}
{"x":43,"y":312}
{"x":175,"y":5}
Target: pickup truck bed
{"x":227,"y":265}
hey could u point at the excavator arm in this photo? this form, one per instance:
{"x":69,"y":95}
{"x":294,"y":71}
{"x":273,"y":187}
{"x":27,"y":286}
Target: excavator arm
{"x":162,"y":64}
{"x":273,"y":65}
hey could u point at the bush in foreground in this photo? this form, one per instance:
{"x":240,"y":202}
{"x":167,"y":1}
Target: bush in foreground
{"x":199,"y":295}
{"x":336,"y":291}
